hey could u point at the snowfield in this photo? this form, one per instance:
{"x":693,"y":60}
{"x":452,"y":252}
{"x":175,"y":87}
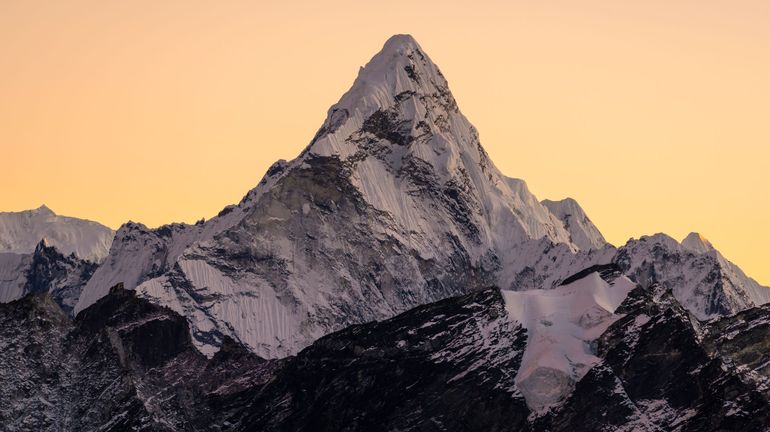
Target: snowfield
{"x":561,"y":323}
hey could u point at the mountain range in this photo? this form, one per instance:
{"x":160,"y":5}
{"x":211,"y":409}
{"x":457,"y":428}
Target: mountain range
{"x":388,"y":278}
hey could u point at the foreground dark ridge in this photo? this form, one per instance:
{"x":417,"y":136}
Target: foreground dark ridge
{"x":126,"y":364}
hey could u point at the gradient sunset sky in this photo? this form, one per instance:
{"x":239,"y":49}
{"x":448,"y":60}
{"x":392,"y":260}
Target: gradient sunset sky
{"x":654,"y":115}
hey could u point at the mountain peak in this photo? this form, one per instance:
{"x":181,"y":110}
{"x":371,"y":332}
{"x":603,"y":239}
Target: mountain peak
{"x":399,"y":50}
{"x":399,"y":88}
{"x":400,"y":42}
{"x":697,"y":243}
{"x":44,"y":210}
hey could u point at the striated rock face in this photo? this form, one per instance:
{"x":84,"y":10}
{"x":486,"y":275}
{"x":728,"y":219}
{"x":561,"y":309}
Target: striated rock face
{"x":352,"y":290}
{"x":126,"y":364}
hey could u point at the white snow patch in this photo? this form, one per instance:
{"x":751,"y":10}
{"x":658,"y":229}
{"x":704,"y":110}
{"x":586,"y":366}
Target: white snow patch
{"x":560,"y":325}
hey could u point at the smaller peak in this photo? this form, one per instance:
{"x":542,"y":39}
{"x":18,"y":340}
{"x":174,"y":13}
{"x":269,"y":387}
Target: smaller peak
{"x":44,"y":246}
{"x":696,"y":242}
{"x":43,"y":209}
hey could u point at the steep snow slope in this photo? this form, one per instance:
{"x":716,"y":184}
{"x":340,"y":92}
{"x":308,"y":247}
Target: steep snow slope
{"x":393,"y":204}
{"x":582,"y":231}
{"x":701,"y":279}
{"x":20,"y":232}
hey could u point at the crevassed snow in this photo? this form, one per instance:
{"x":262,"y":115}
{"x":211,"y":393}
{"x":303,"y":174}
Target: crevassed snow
{"x":20,"y":232}
{"x":560,"y":324}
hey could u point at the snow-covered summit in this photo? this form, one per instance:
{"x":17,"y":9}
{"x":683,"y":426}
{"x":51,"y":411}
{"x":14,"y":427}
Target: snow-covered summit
{"x":20,"y":233}
{"x":697,"y":243}
{"x":398,"y":121}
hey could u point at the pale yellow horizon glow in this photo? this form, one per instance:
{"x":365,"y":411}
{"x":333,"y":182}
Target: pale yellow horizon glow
{"x":654,"y":115}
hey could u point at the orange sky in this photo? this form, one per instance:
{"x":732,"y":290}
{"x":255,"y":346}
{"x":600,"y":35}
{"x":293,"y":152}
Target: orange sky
{"x":654,"y":115}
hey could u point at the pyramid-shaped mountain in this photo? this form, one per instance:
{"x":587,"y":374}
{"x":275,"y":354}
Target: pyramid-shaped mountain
{"x":393,"y":204}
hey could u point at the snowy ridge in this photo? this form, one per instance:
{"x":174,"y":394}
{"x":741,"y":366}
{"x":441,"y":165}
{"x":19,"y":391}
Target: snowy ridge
{"x":700,"y":277}
{"x":269,"y":326}
{"x":20,"y":232}
{"x":582,"y":231}
{"x":560,"y":324}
